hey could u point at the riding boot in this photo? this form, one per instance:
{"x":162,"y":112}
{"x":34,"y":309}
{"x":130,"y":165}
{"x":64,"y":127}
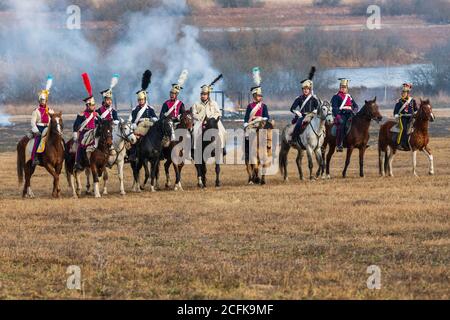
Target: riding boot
{"x":340,"y":139}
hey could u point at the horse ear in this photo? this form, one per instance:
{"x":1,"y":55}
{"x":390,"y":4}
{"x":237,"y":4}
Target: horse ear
{"x":366,"y":101}
{"x":375,"y":99}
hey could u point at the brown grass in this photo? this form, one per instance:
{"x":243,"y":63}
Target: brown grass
{"x":284,"y":240}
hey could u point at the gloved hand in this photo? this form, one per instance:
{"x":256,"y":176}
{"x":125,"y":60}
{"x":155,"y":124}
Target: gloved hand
{"x":75,"y":136}
{"x":133,"y":126}
{"x":298,"y":113}
{"x":245,"y":125}
{"x":396,"y":116}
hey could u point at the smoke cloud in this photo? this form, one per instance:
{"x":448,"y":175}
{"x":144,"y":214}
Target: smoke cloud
{"x":38,"y":43}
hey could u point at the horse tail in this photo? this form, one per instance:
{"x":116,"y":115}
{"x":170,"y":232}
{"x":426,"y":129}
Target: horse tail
{"x":21,"y":146}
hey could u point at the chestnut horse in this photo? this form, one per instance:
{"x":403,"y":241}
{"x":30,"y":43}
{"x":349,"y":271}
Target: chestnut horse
{"x":96,"y":162}
{"x":357,"y":137}
{"x":51,"y":159}
{"x":418,"y":140}
{"x":186,"y":123}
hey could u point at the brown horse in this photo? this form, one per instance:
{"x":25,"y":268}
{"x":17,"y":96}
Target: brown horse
{"x":51,"y":159}
{"x":254,"y":155}
{"x":418,"y":140}
{"x":357,"y":137}
{"x":96,"y":162}
{"x":186,"y":123}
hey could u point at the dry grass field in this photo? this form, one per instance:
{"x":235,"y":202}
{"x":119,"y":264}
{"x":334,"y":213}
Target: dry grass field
{"x":294,"y":240}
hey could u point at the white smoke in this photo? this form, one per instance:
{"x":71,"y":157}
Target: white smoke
{"x":158,"y":40}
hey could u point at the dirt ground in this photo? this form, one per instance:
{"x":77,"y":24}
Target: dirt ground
{"x":294,"y":240}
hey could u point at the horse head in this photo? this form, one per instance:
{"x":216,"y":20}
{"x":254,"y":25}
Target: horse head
{"x":372,"y":110}
{"x":325,"y":112}
{"x":167,"y":130}
{"x":187,"y":120}
{"x":425,"y":111}
{"x":104,"y":132}
{"x":126,"y":132}
{"x":56,"y":123}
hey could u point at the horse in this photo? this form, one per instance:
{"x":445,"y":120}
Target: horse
{"x":96,"y":162}
{"x":311,"y":140}
{"x":51,"y":159}
{"x":418,"y":140}
{"x":186,"y":122}
{"x":122,"y":134}
{"x":357,"y":137}
{"x":200,"y":166}
{"x":252,"y":165}
{"x":150,"y":149}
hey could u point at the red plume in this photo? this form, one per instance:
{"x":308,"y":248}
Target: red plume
{"x":87,"y":83}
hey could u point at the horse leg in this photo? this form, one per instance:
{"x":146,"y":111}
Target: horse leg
{"x":249,"y":169}
{"x":198,"y":167}
{"x":87,"y":172}
{"x":427,"y":152}
{"x":105,"y":180}
{"x":177,"y":169}
{"x":347,"y":160}
{"x":330,"y":153}
{"x":310,"y":162}
{"x":414,"y":162}
{"x":154,"y":169}
{"x":27,"y":192}
{"x":362,"y":150}
{"x":167,"y":171}
{"x":218,"y":184}
{"x":381,"y":158}
{"x":322,"y":150}
{"x":78,"y":182}
{"x":136,"y":183}
{"x":147,"y":174}
{"x":204,"y":170}
{"x":298,"y":161}
{"x":120,"y":174}
{"x":390,"y":161}
{"x":55,"y":176}
{"x":72,"y":184}
{"x":95,"y":175}
{"x":319,"y":160}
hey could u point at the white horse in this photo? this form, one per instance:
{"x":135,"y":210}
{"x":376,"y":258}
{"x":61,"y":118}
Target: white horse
{"x":311,"y":140}
{"x":122,"y":135}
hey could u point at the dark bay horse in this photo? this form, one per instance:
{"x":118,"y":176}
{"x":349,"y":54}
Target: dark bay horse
{"x":96,"y":162}
{"x":418,"y":140}
{"x":51,"y":159}
{"x":186,"y":123}
{"x":149,"y":150}
{"x":201,"y":159}
{"x":357,"y":137}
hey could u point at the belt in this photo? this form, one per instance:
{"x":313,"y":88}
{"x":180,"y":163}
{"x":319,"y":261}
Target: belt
{"x":42,"y":124}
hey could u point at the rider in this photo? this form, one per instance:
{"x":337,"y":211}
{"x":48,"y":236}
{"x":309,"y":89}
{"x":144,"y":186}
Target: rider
{"x":106,"y":111}
{"x":173,"y":108}
{"x":307,"y":104}
{"x":256,"y":110}
{"x":84,"y":128}
{"x":344,"y":107}
{"x":40,"y":119}
{"x":205,"y":109}
{"x":403,"y":112}
{"x":143,"y":111}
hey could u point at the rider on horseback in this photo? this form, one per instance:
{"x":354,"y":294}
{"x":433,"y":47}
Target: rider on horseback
{"x":40,"y":118}
{"x":143,"y":114}
{"x":344,"y":107}
{"x":106,"y":111}
{"x":85,"y":125}
{"x":403,"y":112}
{"x":206,"y":109}
{"x":307,"y":105}
{"x":174,"y":108}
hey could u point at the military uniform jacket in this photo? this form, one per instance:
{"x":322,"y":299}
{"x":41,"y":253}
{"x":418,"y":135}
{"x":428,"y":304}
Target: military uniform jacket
{"x":206,"y":110}
{"x":177,"y":111}
{"x":311,"y":105}
{"x":108,"y":113}
{"x":337,"y":100}
{"x":262,"y":112}
{"x":149,"y":113}
{"x":410,"y":109}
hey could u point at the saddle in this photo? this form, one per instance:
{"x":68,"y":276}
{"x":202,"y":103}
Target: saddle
{"x":348,"y":127}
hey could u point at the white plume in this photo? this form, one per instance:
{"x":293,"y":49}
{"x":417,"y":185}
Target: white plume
{"x":257,"y":76}
{"x":183,"y":77}
{"x":114,"y":81}
{"x":49,"y":83}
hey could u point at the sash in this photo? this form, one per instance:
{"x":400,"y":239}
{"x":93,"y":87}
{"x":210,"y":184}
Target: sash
{"x":344,"y":101}
{"x":405,"y":105}
{"x":105,"y":114}
{"x":85,"y":122}
{"x":305,"y":102}
{"x":140,"y":113}
{"x":254,"y":111}
{"x":177,"y":102}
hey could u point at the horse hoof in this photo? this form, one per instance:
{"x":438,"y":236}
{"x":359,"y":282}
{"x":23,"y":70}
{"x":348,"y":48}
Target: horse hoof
{"x":431,"y":173}
{"x":218,"y":184}
{"x":122,"y":193}
{"x":152,"y":189}
{"x":98,"y":196}
{"x":263,"y":182}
